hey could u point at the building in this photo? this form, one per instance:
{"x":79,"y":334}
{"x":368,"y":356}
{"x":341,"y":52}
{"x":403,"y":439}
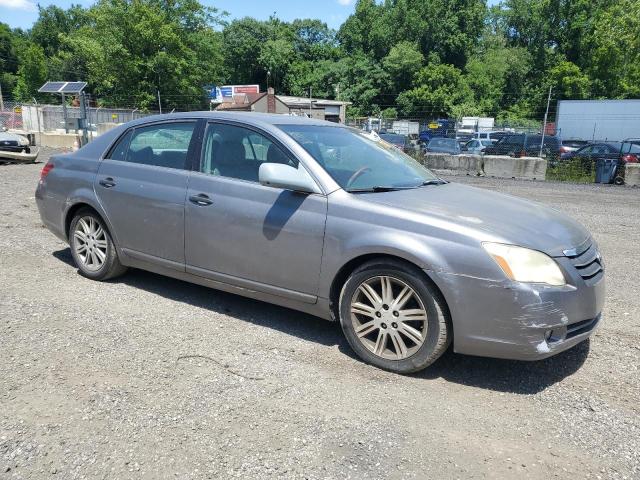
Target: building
{"x":269,"y":102}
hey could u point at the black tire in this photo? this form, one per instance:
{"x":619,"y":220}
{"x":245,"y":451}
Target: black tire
{"x":111,"y":266}
{"x":438,"y":325}
{"x":618,"y":181}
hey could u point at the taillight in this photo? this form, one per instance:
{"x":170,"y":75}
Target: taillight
{"x":564,"y":149}
{"x":629,"y":158}
{"x":45,"y":170}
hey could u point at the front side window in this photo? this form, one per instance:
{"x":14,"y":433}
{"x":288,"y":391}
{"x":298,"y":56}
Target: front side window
{"x":162,"y":145}
{"x":237,"y":152}
{"x":358,"y":161}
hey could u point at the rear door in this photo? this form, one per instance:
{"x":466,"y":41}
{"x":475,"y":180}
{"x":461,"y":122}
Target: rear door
{"x":244,"y":233}
{"x":142,"y":186}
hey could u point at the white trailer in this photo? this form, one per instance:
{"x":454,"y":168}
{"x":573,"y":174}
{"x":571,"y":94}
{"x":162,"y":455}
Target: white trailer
{"x":598,"y":120}
{"x":405,"y":127}
{"x":476,"y":124}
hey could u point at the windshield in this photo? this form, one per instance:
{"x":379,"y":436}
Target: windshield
{"x":357,"y":160}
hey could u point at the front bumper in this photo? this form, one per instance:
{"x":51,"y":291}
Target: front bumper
{"x":19,"y":154}
{"x":512,"y":320}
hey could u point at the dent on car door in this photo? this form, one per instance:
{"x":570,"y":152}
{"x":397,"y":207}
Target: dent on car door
{"x":264,"y":238}
{"x":141,"y":185}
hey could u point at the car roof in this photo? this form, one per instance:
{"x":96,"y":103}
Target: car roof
{"x":254,"y":118}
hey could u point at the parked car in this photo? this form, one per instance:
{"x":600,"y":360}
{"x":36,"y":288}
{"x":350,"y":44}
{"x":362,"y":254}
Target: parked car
{"x":16,"y":148}
{"x":572,"y":145}
{"x":620,"y":152}
{"x":443,"y":145}
{"x":526,"y":145}
{"x":322,"y":218}
{"x":399,"y":141}
{"x":477,"y":147}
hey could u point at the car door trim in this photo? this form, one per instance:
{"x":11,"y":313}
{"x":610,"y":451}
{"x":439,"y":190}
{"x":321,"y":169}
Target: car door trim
{"x":251,"y":285}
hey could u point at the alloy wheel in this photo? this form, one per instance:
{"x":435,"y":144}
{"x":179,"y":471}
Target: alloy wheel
{"x":388,"y":317}
{"x":90,"y":243}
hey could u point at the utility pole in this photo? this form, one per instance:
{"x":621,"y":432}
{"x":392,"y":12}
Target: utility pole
{"x":544,"y":124}
{"x":310,"y":116}
{"x":159,"y":104}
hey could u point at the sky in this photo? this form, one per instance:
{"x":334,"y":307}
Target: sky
{"x":22,"y":13}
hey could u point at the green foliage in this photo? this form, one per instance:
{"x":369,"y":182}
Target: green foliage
{"x":32,"y":74}
{"x":571,"y":171}
{"x":438,"y":89}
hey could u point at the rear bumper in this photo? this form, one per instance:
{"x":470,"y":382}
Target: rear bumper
{"x":516,"y":321}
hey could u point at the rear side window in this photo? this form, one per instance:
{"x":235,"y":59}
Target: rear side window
{"x":119,"y":151}
{"x":163,"y":145}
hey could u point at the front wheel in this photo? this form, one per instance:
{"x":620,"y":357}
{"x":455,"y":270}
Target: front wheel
{"x":393,"y":317}
{"x":92,"y":247}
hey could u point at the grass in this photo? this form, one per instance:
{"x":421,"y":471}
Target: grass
{"x":571,"y":171}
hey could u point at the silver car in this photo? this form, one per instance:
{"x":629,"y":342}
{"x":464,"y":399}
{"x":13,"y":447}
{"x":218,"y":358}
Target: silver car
{"x":330,"y":221}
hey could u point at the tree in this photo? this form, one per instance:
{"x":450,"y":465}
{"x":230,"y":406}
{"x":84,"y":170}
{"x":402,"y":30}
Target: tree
{"x":8,"y":60}
{"x":32,"y":74}
{"x":439,"y":89}
{"x":53,"y":22}
{"x":131,"y":50}
{"x":402,"y":63}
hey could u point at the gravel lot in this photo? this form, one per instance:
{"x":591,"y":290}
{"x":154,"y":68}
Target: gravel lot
{"x":148,"y":377}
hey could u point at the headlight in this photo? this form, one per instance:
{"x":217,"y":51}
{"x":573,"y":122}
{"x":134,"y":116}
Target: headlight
{"x":23,"y":141}
{"x":525,"y":265}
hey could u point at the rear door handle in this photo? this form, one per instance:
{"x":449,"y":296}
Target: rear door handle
{"x":107,"y":182}
{"x":201,"y":200}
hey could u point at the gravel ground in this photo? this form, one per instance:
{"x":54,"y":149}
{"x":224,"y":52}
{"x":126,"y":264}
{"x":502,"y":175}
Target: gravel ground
{"x":149,"y":377}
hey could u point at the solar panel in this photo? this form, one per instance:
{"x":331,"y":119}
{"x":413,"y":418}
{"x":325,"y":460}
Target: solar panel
{"x":62,"y":87}
{"x":73,"y":87}
{"x":51,"y":87}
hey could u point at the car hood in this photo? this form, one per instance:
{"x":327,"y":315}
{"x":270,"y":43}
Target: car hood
{"x":492,"y":216}
{"x":7,"y":138}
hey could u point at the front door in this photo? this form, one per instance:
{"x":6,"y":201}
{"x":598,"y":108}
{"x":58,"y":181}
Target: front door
{"x":241,"y":232}
{"x":142,"y":186}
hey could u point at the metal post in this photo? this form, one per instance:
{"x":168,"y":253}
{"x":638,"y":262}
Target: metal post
{"x":310,"y":116}
{"x":544,"y":124}
{"x":83,"y":117}
{"x":1,"y":99}
{"x":64,"y":113}
{"x":159,"y":104}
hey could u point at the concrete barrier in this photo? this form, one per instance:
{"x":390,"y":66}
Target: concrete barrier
{"x":532,"y":168}
{"x":105,"y":127}
{"x":455,"y":164}
{"x":59,"y":140}
{"x":632,"y":174}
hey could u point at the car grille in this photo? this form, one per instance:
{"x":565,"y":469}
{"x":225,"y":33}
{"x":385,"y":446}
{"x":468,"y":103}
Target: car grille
{"x":579,"y":328}
{"x":588,"y":263}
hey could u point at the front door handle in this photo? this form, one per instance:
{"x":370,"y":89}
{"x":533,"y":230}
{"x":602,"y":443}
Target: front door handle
{"x":107,"y":182}
{"x":201,"y":200}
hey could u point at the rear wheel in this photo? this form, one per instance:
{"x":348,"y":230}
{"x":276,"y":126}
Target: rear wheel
{"x":92,"y":247}
{"x":393,"y":317}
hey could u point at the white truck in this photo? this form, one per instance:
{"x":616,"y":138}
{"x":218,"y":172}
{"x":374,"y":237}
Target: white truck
{"x":598,"y":120}
{"x":406,"y":127}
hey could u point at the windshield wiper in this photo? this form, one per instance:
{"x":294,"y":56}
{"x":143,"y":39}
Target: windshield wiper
{"x":377,"y":188}
{"x":433,"y":182}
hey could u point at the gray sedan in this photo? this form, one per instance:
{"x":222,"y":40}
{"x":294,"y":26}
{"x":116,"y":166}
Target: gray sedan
{"x":330,"y":221}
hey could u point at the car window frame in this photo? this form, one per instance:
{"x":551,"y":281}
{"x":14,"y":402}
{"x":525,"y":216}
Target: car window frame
{"x":191,"y":149}
{"x":199,"y":161}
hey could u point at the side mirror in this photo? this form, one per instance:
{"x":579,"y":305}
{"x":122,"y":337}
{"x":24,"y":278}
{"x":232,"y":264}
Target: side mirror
{"x":279,"y":175}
